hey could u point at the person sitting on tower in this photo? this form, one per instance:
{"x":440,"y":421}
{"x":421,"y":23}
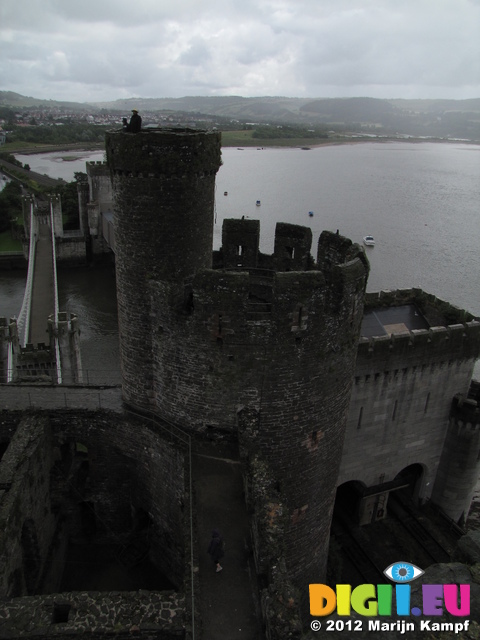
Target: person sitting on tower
{"x":135,"y":123}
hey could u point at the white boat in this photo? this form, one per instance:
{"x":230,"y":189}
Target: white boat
{"x":369,"y":241}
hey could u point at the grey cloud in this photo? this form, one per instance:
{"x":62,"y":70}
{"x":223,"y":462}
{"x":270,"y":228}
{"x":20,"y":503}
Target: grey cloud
{"x":290,"y":47}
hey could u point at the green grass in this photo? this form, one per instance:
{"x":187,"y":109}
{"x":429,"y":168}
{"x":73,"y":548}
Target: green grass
{"x":246,"y":139}
{"x":42,"y":147}
{"x":7,"y":243}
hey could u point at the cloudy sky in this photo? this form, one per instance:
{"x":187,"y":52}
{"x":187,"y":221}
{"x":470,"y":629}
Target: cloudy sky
{"x":94,"y":50}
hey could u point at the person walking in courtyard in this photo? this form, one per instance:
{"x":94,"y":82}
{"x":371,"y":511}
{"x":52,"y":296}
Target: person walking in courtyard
{"x":215,"y":549}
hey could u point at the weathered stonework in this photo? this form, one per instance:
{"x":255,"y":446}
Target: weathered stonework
{"x":198,"y":345}
{"x":132,"y":478}
{"x":146,"y":615}
{"x":400,"y":409}
{"x":163,"y":185}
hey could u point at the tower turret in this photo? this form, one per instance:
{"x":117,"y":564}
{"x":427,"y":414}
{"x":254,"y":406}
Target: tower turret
{"x":163,"y":185}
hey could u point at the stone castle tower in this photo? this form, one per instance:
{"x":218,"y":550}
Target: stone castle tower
{"x":236,"y":342}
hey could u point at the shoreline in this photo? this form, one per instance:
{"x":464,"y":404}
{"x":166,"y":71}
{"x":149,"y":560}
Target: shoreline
{"x":248,"y":144}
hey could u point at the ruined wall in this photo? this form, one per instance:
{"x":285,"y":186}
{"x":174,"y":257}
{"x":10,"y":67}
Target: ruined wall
{"x":55,"y":464}
{"x":141,"y":614}
{"x":163,"y":184}
{"x":130,"y":468}
{"x":27,"y":521}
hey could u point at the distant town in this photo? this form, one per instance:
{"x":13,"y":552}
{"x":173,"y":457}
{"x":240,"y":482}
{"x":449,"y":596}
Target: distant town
{"x":263,"y":120}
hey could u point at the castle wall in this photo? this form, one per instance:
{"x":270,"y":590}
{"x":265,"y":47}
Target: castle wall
{"x":99,"y":201}
{"x":200,"y":346}
{"x":27,"y":521}
{"x":460,"y":462}
{"x":56,"y":464}
{"x":401,"y":398}
{"x":100,"y":615}
{"x":283,"y":345}
{"x":398,"y":417}
{"x":8,"y":336}
{"x":130,"y":468}
{"x":100,"y":185}
{"x":71,"y":249}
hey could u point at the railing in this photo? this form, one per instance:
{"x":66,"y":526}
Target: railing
{"x":23,"y":322}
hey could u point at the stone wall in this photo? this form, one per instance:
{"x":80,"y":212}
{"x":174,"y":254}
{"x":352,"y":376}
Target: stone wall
{"x":163,"y":184}
{"x":54,"y":463}
{"x":459,"y":467}
{"x":404,"y":385}
{"x":280,"y":600}
{"x":8,"y":336}
{"x":27,"y":520}
{"x":71,"y":250}
{"x":199,"y":345}
{"x":99,"y":201}
{"x":131,"y":468}
{"x":280,"y":344}
{"x":142,"y":614}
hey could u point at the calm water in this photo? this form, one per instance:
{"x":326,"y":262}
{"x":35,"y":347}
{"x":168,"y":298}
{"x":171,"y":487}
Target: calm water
{"x":60,"y":164}
{"x":419,"y":201}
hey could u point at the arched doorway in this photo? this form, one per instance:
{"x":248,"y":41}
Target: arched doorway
{"x":409,"y":481}
{"x":348,"y":501}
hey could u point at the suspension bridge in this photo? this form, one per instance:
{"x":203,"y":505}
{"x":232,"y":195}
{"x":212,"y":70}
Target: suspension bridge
{"x":40,"y":348}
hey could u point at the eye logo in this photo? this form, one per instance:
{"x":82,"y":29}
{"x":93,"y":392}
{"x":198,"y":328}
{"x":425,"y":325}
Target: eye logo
{"x":403,"y":572}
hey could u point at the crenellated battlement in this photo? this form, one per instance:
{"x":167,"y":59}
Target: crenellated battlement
{"x":161,"y":153}
{"x":452,"y":341}
{"x":413,"y":329}
{"x":444,"y":312}
{"x":97,"y":168}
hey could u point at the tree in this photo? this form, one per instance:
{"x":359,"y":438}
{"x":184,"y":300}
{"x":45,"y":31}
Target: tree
{"x":10,"y":204}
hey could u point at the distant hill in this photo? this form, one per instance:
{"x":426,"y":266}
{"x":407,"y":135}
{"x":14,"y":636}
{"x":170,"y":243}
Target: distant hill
{"x":438,"y":118}
{"x":16,"y":100}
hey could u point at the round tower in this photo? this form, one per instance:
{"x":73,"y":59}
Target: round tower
{"x":163,"y":184}
{"x":459,"y":466}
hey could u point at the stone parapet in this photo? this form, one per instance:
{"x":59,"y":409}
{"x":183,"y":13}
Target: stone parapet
{"x":420,"y":347}
{"x":101,"y":615}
